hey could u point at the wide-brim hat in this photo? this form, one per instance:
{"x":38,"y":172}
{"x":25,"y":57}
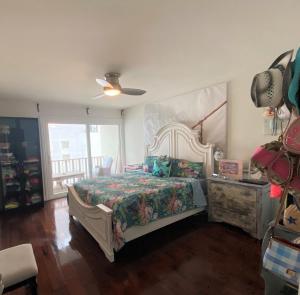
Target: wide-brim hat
{"x":268,"y":87}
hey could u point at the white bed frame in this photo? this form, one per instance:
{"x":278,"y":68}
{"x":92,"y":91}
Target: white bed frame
{"x":175,"y":140}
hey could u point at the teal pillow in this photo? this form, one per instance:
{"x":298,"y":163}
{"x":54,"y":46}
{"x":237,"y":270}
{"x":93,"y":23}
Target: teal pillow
{"x":184,"y":168}
{"x":294,"y":84}
{"x":149,"y":162}
{"x":162,"y":167}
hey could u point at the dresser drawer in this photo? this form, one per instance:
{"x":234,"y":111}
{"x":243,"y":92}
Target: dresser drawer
{"x":243,"y":205}
{"x":245,"y":220}
{"x":233,"y":198}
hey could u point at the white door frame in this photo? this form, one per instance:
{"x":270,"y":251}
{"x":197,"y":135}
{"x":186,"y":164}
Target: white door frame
{"x":46,"y":154}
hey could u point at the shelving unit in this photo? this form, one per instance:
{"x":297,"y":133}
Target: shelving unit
{"x":21,"y":182}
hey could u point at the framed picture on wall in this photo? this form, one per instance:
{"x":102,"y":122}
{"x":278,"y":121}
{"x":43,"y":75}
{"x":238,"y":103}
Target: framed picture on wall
{"x":231,"y":168}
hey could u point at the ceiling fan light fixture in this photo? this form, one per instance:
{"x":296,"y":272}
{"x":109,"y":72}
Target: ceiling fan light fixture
{"x":112,"y":91}
{"x":112,"y":87}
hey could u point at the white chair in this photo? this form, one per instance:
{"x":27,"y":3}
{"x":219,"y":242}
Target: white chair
{"x":105,"y":169}
{"x":18,"y":268}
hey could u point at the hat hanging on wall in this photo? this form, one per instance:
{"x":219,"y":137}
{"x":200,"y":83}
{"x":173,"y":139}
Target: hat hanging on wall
{"x":269,"y":87}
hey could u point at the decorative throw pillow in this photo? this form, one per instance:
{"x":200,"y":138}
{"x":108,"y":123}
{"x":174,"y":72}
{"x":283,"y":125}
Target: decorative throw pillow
{"x":162,"y":167}
{"x":149,"y":162}
{"x":184,"y":168}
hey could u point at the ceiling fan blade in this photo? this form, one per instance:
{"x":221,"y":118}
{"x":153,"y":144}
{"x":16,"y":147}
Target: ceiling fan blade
{"x":104,"y":83}
{"x":98,"y":96}
{"x":133,"y":91}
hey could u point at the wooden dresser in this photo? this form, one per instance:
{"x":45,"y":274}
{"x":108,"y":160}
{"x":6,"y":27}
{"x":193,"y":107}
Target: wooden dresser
{"x":244,"y":205}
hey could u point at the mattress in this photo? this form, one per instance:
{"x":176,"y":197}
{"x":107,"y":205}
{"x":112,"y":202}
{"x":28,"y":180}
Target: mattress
{"x":138,"y":199}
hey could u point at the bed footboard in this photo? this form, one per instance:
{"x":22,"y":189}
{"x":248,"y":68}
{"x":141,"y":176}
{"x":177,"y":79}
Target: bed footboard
{"x":97,"y":220}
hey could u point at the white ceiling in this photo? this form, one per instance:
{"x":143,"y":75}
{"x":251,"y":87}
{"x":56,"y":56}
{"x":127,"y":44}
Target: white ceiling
{"x":52,"y":50}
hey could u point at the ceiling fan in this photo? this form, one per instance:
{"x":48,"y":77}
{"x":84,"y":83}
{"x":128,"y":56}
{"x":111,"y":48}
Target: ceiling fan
{"x":111,"y":86}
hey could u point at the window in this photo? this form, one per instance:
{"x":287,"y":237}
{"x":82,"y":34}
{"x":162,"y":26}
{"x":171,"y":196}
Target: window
{"x":65,"y":144}
{"x":82,"y":151}
{"x":93,"y":128}
{"x":65,"y":157}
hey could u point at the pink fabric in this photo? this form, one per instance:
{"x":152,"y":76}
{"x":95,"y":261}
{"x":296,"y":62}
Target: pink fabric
{"x":292,"y":137}
{"x":295,"y":183}
{"x":263,"y":157}
{"x":276,"y":191}
{"x":281,"y":168}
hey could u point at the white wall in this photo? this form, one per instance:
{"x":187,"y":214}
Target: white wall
{"x":241,"y":38}
{"x":245,"y":122}
{"x":9,"y":108}
{"x":134,"y":134}
{"x":58,"y":113}
{"x":55,"y":111}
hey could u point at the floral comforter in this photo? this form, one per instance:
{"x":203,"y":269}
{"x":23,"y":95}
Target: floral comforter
{"x":137,"y":199}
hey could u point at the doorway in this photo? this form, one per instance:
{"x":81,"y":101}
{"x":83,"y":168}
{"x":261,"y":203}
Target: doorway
{"x":81,"y":151}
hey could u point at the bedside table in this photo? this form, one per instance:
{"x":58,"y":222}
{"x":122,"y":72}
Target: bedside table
{"x":244,"y":205}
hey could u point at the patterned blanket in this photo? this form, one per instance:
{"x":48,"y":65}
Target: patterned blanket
{"x":137,"y":199}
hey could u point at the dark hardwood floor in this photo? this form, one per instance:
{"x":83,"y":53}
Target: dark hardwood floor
{"x":189,"y":257}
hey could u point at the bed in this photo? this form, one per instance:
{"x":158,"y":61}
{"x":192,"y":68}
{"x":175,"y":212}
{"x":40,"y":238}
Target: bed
{"x":107,"y":226}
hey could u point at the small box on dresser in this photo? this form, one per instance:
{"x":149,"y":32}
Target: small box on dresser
{"x":244,"y":205}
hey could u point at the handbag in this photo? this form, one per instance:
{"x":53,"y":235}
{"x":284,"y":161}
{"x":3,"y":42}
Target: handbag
{"x":280,"y":159}
{"x":280,"y":171}
{"x":265,"y":154}
{"x":291,"y":138}
{"x":282,"y":257}
{"x":291,"y":218}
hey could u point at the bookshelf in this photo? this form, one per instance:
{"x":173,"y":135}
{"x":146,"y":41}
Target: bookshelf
{"x":21,"y":182}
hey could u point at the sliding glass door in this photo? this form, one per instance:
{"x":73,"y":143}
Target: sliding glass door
{"x":80,"y":151}
{"x":105,"y":149}
{"x":69,"y":155}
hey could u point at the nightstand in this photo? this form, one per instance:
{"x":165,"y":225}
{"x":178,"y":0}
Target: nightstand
{"x":244,"y":205}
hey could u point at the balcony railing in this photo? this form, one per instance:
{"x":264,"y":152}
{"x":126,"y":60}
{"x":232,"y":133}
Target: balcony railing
{"x":66,"y":172}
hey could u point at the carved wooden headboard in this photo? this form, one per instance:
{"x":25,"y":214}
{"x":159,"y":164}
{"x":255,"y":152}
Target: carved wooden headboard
{"x":179,"y":141}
